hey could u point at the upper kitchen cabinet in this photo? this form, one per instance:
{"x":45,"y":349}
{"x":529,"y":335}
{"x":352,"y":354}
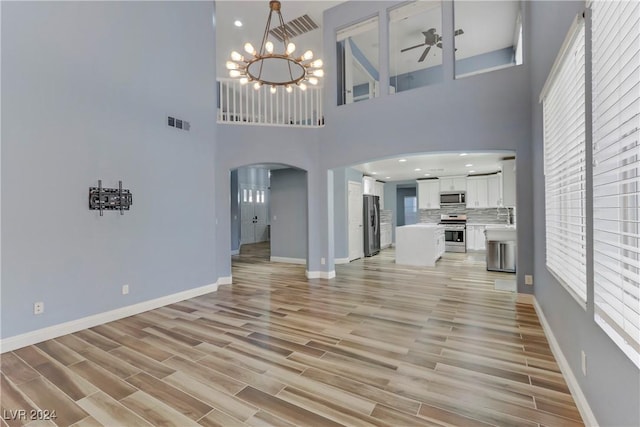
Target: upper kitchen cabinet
{"x":378,"y":190}
{"x":484,"y":191}
{"x":428,"y":194}
{"x":368,"y":185}
{"x":453,"y":183}
{"x":509,"y":183}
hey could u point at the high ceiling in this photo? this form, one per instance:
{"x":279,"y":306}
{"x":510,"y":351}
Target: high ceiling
{"x":487,"y":25}
{"x":433,"y":165}
{"x":253,"y":15}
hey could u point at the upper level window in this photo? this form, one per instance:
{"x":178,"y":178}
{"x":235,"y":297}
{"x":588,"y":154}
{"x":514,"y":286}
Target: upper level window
{"x":488,"y":36}
{"x":358,"y":62}
{"x":415,"y":45}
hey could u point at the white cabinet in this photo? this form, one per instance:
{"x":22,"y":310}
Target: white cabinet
{"x":453,"y":183}
{"x":368,"y":185}
{"x":484,"y":191}
{"x":475,"y":237}
{"x":509,"y":183}
{"x":419,"y":244}
{"x":494,"y":191}
{"x":428,"y":194}
{"x":385,"y":235}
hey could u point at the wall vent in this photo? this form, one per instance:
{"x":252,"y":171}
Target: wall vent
{"x":295,"y":27}
{"x":178,"y":123}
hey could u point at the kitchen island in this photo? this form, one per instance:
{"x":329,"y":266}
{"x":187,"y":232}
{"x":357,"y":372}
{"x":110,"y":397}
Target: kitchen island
{"x":419,"y":244}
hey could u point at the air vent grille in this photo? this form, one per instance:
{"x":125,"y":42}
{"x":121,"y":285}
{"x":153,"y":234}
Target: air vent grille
{"x":294,"y":28}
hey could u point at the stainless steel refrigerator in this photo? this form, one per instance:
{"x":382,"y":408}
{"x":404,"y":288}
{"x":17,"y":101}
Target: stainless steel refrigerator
{"x":371,"y":210}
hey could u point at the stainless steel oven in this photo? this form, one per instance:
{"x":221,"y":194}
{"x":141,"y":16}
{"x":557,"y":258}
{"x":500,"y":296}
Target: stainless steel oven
{"x":455,"y":232}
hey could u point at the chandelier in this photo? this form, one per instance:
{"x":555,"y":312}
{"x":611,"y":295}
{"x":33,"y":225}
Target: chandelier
{"x":265,"y":67}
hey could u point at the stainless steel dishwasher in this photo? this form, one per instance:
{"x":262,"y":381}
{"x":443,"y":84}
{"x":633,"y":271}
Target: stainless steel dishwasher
{"x":501,"y":256}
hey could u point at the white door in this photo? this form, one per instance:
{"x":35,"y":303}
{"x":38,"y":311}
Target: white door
{"x":253,"y":214}
{"x":356,"y":243}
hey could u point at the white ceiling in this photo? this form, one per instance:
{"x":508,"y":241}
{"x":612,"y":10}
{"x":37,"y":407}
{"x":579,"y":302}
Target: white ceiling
{"x":433,"y":165}
{"x":253,"y":14}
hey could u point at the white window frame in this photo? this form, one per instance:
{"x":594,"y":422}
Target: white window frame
{"x":563,"y":99}
{"x":616,"y":172}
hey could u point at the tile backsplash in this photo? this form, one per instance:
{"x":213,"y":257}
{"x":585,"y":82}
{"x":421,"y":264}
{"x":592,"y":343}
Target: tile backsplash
{"x":474,"y":216}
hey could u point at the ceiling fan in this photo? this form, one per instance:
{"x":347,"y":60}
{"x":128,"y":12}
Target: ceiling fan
{"x":431,"y":38}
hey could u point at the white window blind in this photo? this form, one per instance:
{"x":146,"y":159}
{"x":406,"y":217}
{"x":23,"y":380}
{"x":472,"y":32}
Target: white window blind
{"x":616,"y":171}
{"x":563,"y":99}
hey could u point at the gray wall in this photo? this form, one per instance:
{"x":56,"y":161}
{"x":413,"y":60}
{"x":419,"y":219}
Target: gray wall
{"x":480,"y":113}
{"x":86,"y":91}
{"x":289,"y":213}
{"x":612,"y":384}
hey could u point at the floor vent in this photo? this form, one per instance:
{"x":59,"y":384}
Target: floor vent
{"x":294,"y":28}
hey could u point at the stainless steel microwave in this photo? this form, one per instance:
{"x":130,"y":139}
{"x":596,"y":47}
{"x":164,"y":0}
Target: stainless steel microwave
{"x":453,"y":198}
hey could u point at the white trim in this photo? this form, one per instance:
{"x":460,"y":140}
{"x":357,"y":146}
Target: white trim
{"x":341,"y":260}
{"x":44,"y":334}
{"x":320,"y":274}
{"x":225,"y":280}
{"x":288,"y":260}
{"x":578,"y":22}
{"x":581,"y":401}
{"x":235,"y":252}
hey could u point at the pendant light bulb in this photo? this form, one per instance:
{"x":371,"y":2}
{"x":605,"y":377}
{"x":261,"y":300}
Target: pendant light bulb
{"x":313,"y":80}
{"x":317,"y":63}
{"x":307,"y":55}
{"x":234,"y":73}
{"x":248,"y":47}
{"x":303,"y":87}
{"x":269,"y":47}
{"x":291,"y":47}
{"x":289,"y":89}
{"x":235,"y":56}
{"x":272,"y":89}
{"x":244,"y":81}
{"x":231,"y":65}
{"x":318,"y":73}
{"x":257,"y":85}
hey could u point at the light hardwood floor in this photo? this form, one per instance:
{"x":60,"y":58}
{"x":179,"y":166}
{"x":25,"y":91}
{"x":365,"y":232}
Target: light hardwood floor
{"x":379,"y":345}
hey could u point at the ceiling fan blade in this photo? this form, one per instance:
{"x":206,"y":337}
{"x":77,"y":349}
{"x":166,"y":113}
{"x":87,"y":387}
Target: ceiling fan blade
{"x":424,"y":54}
{"x":458,"y":32}
{"x":412,"y":47}
{"x":429,"y":32}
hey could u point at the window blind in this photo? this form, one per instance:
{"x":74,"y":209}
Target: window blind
{"x":563,"y":100}
{"x":616,"y":171}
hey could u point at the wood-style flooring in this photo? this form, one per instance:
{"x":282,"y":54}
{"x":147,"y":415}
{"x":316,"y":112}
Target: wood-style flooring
{"x":379,"y":345}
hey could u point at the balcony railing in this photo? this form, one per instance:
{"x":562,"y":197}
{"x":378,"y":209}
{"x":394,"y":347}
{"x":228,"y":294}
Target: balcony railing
{"x":243,"y":105}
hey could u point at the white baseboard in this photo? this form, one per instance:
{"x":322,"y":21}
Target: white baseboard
{"x":235,"y":252}
{"x":226,"y":280}
{"x":288,"y":260}
{"x":44,"y":334}
{"x":320,"y":274}
{"x":581,"y":401}
{"x":341,"y":260}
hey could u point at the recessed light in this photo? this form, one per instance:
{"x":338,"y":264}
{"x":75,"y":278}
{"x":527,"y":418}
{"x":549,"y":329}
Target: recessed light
{"x":387,"y":177}
{"x":471,"y":171}
{"x":402,"y":160}
{"x":427,"y":174}
{"x":237,"y":23}
{"x":374,"y":173}
{"x":468,"y":165}
{"x":463,"y":154}
{"x":417,"y":169}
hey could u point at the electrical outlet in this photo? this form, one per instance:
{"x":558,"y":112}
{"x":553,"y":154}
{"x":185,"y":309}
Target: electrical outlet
{"x":323,"y":261}
{"x":125,"y":289}
{"x":38,"y":307}
{"x":584,"y":363}
{"x":528,"y":279}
